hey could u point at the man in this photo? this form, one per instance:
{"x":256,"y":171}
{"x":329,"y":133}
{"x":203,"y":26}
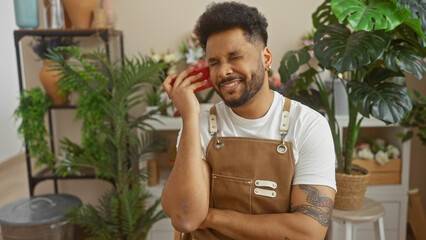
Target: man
{"x":257,"y":165}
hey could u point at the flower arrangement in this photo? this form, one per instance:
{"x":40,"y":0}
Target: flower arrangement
{"x":377,"y":150}
{"x":168,"y":61}
{"x":43,"y":45}
{"x":192,"y":52}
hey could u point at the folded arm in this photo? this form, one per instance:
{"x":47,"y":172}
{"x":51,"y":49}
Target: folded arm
{"x":309,"y":218}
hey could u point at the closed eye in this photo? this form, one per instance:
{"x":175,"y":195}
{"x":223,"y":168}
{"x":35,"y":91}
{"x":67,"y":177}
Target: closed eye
{"x":235,"y":58}
{"x":211,"y":64}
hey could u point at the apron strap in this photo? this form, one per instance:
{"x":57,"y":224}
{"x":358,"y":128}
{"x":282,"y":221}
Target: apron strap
{"x":283,"y":125}
{"x":285,"y":115}
{"x":213,"y":122}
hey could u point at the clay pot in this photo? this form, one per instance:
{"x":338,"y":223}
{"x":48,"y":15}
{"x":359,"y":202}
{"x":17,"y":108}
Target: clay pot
{"x":49,"y":82}
{"x":80,"y":12}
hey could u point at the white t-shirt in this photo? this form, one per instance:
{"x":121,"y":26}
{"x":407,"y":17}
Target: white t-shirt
{"x":309,"y":133}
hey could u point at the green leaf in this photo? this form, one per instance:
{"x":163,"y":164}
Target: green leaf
{"x":386,"y":101}
{"x":337,"y":48}
{"x":415,"y":25}
{"x":291,"y":62}
{"x":323,"y":15}
{"x":418,"y":9}
{"x":408,"y":62}
{"x":373,"y":15}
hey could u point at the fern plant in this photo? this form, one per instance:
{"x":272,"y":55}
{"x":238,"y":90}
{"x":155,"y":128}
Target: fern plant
{"x":111,"y":144}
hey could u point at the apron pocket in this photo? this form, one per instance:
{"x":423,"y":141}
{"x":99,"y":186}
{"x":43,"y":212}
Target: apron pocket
{"x":231,"y":193}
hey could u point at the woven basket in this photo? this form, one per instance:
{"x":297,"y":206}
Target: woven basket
{"x":351,"y":189}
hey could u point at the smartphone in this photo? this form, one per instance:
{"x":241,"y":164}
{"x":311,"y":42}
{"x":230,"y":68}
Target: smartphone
{"x":206,"y":75}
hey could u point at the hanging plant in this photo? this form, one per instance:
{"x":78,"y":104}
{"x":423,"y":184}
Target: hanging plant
{"x":32,"y":110}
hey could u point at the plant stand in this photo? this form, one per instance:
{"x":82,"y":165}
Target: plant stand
{"x":105,"y":35}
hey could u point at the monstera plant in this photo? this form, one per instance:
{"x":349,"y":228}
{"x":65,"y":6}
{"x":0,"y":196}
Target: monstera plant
{"x":368,"y":45}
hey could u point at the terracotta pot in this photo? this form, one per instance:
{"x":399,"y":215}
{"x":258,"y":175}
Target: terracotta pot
{"x":80,"y":12}
{"x":351,"y":189}
{"x":49,"y":82}
{"x":68,"y":23}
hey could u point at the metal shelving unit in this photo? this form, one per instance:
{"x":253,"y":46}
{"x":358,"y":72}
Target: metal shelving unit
{"x":105,"y":35}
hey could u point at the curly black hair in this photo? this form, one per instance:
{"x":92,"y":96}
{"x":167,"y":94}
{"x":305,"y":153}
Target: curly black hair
{"x":224,"y":16}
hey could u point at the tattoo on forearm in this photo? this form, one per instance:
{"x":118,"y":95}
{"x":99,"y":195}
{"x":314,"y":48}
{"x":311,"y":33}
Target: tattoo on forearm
{"x":320,"y":207}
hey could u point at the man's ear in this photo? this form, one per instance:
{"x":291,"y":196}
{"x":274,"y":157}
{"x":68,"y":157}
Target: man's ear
{"x":267,"y":58}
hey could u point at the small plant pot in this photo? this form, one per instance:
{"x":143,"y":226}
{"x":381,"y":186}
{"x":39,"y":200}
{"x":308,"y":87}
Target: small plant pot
{"x":351,"y":189}
{"x":49,"y":80}
{"x":80,"y":12}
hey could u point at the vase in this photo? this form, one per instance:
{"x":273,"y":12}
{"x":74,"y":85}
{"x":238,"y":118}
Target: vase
{"x":54,"y":14}
{"x":351,"y":189}
{"x":26,"y":13}
{"x":49,"y":80}
{"x":80,"y":12}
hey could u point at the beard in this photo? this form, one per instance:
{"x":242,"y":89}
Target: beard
{"x":251,"y":88}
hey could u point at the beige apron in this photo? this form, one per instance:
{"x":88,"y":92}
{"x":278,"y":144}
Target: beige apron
{"x":249,"y":175}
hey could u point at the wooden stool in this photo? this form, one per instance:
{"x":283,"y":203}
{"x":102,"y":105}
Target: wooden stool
{"x":371,"y":211}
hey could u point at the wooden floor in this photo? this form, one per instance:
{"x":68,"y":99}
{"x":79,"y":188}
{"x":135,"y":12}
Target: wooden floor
{"x":13,"y":180}
{"x":14,"y":183}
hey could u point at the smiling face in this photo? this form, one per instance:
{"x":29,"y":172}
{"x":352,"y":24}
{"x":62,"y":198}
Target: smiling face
{"x":237,"y":66}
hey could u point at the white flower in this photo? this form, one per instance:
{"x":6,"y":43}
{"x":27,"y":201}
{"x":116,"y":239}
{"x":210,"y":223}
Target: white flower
{"x":156,"y":57}
{"x":179,"y":55}
{"x":382,"y":157}
{"x":194,"y":54}
{"x":170,"y":58}
{"x":164,"y":98}
{"x":172,"y":70}
{"x":393,"y":152}
{"x":365,"y":153}
{"x":379,"y":142}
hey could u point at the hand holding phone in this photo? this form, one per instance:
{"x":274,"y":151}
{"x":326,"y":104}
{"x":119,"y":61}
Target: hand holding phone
{"x":206,"y":75}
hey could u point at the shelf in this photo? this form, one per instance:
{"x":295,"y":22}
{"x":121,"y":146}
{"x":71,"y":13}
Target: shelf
{"x":343,"y":121}
{"x":62,"y":32}
{"x":63,"y":107}
{"x":165,"y":123}
{"x":50,"y":174}
{"x":106,"y":36}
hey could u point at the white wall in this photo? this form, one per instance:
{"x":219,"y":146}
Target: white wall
{"x":10,"y":144}
{"x":163,"y":24}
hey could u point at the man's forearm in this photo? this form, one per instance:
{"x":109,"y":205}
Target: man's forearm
{"x":278,"y":226}
{"x":185,"y":195}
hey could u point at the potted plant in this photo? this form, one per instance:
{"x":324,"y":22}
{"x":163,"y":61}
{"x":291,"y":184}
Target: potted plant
{"x":48,"y":77}
{"x":367,"y":45}
{"x":113,"y":141}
